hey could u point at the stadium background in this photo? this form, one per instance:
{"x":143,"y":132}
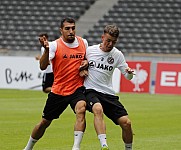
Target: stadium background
{"x":150,"y":29}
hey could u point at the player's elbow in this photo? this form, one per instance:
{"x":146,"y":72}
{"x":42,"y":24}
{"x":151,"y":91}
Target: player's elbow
{"x":42,"y":66}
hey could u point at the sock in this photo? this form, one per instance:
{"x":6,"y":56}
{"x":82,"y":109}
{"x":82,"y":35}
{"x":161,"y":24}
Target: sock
{"x":128,"y":146}
{"x":102,"y":139}
{"x":77,"y":138}
{"x":30,"y":143}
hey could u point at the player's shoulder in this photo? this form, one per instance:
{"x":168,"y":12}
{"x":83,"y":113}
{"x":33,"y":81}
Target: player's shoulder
{"x":92,"y":47}
{"x":52,"y":42}
{"x":91,"y":50}
{"x":85,"y":42}
{"x":52,"y":45}
{"x":79,"y":37}
{"x":117,"y":51}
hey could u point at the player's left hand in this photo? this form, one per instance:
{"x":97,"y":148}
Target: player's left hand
{"x":83,"y":73}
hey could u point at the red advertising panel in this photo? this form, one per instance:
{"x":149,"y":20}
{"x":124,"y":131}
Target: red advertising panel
{"x":141,"y":80}
{"x":168,"y":78}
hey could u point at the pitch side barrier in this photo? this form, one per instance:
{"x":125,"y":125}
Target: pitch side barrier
{"x":166,"y":79}
{"x":160,"y":78}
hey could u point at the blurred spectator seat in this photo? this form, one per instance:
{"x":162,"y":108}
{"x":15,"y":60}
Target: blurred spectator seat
{"x":21,"y":21}
{"x":146,"y":26}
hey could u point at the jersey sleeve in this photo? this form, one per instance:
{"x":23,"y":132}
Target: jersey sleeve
{"x":52,"y":49}
{"x":86,"y":43}
{"x":122,"y":65}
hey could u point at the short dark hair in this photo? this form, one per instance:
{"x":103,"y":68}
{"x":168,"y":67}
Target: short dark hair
{"x":112,"y":30}
{"x":67,"y":19}
{"x":43,"y":34}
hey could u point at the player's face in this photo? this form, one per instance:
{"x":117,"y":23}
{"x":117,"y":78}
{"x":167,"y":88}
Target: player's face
{"x":108,"y":42}
{"x":68,"y":32}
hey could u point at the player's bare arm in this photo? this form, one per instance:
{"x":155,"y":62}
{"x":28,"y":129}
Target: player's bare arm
{"x":84,"y":68}
{"x":44,"y":60}
{"x":84,"y":65}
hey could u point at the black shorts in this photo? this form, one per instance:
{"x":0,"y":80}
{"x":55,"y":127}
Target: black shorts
{"x":47,"y":81}
{"x":56,"y":104}
{"x":112,"y":107}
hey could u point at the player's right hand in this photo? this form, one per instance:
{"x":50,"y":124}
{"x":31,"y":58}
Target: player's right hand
{"x":130,"y":71}
{"x":45,"y":43}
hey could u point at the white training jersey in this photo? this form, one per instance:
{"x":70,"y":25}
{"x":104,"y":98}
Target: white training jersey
{"x":49,"y":67}
{"x":101,"y":68}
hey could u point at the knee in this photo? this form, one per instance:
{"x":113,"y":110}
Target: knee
{"x":97,"y":109}
{"x":80,"y":107}
{"x":125,"y":123}
{"x":128,"y":124}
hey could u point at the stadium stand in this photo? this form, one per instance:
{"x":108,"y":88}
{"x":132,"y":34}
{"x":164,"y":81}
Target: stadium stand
{"x":21,"y":21}
{"x":147,"y":26}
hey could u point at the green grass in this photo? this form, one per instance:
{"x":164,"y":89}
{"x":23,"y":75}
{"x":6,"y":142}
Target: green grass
{"x":156,"y":121}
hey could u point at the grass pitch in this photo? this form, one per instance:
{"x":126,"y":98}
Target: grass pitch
{"x":156,"y":121}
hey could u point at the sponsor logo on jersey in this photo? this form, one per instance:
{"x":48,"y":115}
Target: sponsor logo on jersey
{"x":76,"y":56}
{"x":93,"y":64}
{"x":73,"y":56}
{"x":64,"y":56}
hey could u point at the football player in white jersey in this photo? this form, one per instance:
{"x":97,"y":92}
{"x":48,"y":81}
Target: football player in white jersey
{"x":103,"y":59}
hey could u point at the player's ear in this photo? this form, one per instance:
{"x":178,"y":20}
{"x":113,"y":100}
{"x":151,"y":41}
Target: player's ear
{"x":102,"y":37}
{"x":60,"y":30}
